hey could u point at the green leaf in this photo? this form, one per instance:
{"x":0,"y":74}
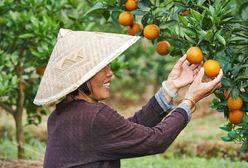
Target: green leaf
{"x":212,"y":10}
{"x":189,"y":38}
{"x":233,"y":134}
{"x":106,"y":14}
{"x":177,"y":30}
{"x":26,"y":35}
{"x":196,"y":15}
{"x":200,"y":2}
{"x":243,"y":10}
{"x":221,"y":39}
{"x":97,"y":6}
{"x":138,"y":12}
{"x":115,"y":15}
{"x":226,"y":82}
{"x":235,"y":93}
{"x":209,"y":36}
{"x":183,"y":20}
{"x":228,"y":127}
{"x":227,"y":139}
{"x":245,"y":119}
{"x":244,"y":96}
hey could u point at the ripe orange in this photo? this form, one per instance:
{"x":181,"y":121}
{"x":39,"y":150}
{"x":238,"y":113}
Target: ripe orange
{"x":211,"y":68}
{"x":163,"y":47}
{"x":185,"y":12}
{"x":40,"y":70}
{"x":131,"y":5}
{"x":234,"y":104}
{"x":235,"y":116}
{"x":151,"y":31}
{"x":194,"y":55}
{"x":133,"y":29}
{"x":126,"y":18}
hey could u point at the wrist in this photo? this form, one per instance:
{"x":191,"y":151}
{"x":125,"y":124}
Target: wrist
{"x":190,"y":103}
{"x":171,"y":85}
{"x":168,"y":90}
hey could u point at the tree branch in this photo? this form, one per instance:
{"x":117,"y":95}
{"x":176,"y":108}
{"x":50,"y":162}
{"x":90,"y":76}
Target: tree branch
{"x":7,"y":108}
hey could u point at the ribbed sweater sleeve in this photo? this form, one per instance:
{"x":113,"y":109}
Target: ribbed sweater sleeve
{"x":114,"y":137}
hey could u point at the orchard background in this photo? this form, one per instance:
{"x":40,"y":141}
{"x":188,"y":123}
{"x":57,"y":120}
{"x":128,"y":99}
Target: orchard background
{"x":28,"y":31}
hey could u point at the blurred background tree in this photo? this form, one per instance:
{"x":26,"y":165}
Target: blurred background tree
{"x":28,"y":31}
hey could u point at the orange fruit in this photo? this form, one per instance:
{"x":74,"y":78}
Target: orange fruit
{"x":185,"y":12}
{"x":126,"y":18}
{"x":133,"y":29}
{"x":211,"y":68}
{"x":131,"y":5}
{"x":194,"y":55}
{"x":235,"y":117}
{"x":163,"y":47}
{"x":234,"y":104}
{"x":151,"y":31}
{"x":40,"y":70}
{"x":226,"y":93}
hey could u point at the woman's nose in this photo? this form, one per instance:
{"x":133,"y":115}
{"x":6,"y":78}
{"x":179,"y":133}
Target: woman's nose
{"x":109,"y":71}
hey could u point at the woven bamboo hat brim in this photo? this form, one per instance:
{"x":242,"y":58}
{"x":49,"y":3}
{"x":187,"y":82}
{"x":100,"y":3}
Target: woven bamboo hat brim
{"x":76,"y":57}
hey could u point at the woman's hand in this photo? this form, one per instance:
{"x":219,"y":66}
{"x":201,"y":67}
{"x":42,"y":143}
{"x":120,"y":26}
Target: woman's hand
{"x":182,"y":74}
{"x":199,"y":89}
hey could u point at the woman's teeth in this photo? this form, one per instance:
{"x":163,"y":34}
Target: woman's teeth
{"x":107,"y":85}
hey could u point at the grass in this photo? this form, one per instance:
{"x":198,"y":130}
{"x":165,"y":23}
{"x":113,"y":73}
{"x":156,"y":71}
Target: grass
{"x":34,"y":149}
{"x":157,"y":161}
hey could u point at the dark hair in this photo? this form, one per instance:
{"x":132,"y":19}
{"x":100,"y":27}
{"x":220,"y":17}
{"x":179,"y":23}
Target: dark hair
{"x":84,"y":88}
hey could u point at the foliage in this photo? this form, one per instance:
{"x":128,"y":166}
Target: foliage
{"x":218,"y":27}
{"x":28,"y":31}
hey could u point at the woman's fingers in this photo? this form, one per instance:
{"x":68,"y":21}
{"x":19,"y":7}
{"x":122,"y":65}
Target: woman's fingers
{"x":217,"y":79}
{"x":195,"y":72}
{"x":193,"y":66}
{"x":181,"y":61}
{"x":200,"y":75}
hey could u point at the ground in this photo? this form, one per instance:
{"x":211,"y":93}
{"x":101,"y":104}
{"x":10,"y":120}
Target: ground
{"x":4,"y":163}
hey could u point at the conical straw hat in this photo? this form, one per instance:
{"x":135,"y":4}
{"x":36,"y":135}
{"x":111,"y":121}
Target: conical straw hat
{"x":76,"y":57}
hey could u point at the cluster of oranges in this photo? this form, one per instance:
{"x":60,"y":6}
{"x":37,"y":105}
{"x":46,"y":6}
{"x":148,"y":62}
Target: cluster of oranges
{"x":151,"y":31}
{"x":211,"y":67}
{"x":126,"y":18}
{"x":234,"y":106}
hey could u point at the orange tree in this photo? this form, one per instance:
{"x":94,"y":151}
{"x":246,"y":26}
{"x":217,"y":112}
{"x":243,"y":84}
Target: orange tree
{"x":218,"y":27}
{"x":28,"y":31}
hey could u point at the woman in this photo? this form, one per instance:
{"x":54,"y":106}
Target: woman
{"x":84,"y":132}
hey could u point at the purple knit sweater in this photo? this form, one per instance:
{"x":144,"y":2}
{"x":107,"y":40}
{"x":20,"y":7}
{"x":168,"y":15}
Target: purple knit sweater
{"x":92,"y":135}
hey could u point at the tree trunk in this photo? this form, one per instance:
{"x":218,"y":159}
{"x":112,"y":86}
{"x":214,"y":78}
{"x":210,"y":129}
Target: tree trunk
{"x":19,"y":127}
{"x":18,"y":115}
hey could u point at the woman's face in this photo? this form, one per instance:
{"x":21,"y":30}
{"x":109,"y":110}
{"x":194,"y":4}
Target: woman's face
{"x":100,"y":83}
